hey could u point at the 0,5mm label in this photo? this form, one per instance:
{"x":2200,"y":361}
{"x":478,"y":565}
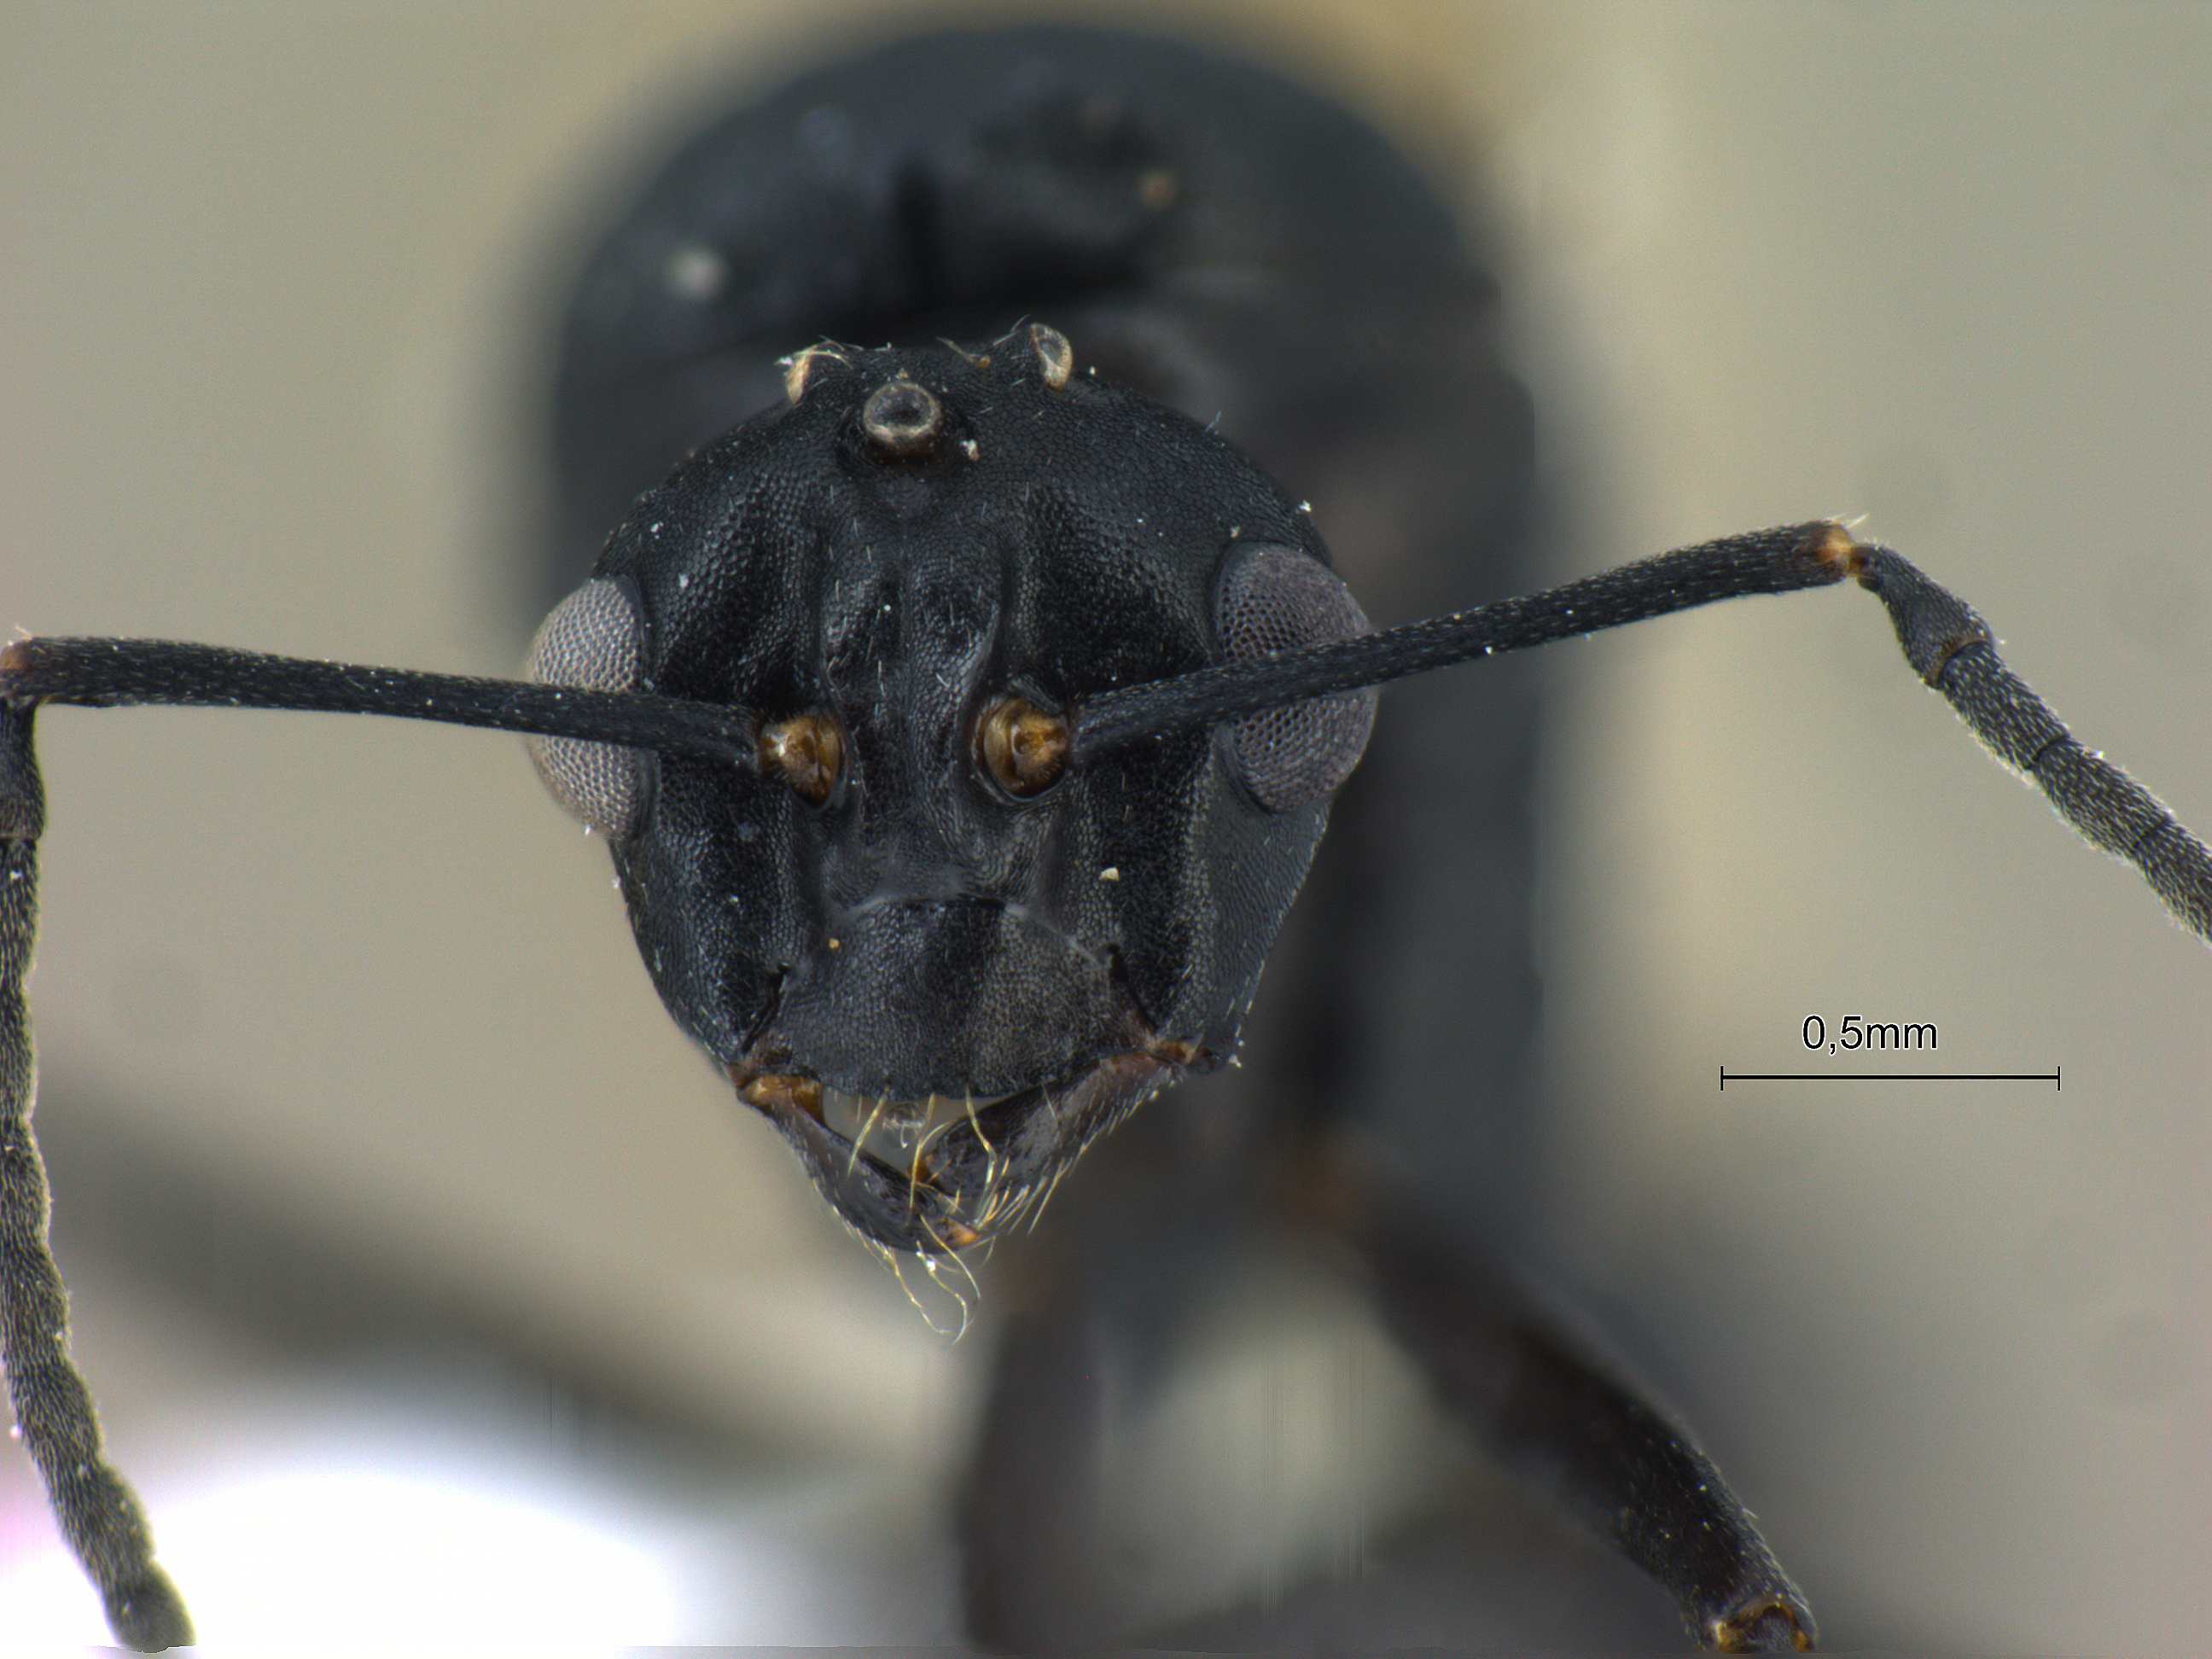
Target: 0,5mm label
{"x":1854,"y":1032}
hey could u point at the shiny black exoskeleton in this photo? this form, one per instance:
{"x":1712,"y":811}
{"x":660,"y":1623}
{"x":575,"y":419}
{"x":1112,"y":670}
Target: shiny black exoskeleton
{"x":902,"y":930}
{"x":1108,"y":271}
{"x":865,"y":694}
{"x":1200,"y":234}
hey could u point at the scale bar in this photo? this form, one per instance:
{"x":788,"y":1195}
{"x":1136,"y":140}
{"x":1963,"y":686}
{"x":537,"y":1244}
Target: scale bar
{"x":2055,"y":1077}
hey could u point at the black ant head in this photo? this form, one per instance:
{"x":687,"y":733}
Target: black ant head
{"x":938,"y":948}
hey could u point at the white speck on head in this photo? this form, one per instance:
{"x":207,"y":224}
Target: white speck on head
{"x":696,"y":272}
{"x":1235,"y":531}
{"x":1111,"y":873}
{"x":682,"y":579}
{"x":1305,"y":506}
{"x":654,"y":529}
{"x":971,"y":449}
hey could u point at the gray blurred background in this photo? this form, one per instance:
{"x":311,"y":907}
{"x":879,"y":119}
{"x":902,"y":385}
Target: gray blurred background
{"x":420,"y":1266}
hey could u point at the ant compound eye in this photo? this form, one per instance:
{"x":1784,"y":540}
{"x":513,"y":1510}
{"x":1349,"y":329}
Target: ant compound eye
{"x":1277,"y":599}
{"x":1022,"y":747}
{"x":594,"y":641}
{"x":807,"y":753}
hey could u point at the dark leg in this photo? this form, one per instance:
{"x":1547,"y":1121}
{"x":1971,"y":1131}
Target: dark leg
{"x":1105,"y":1290}
{"x":1027,"y":1514}
{"x":1566,"y":1422}
{"x":97,"y":1513}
